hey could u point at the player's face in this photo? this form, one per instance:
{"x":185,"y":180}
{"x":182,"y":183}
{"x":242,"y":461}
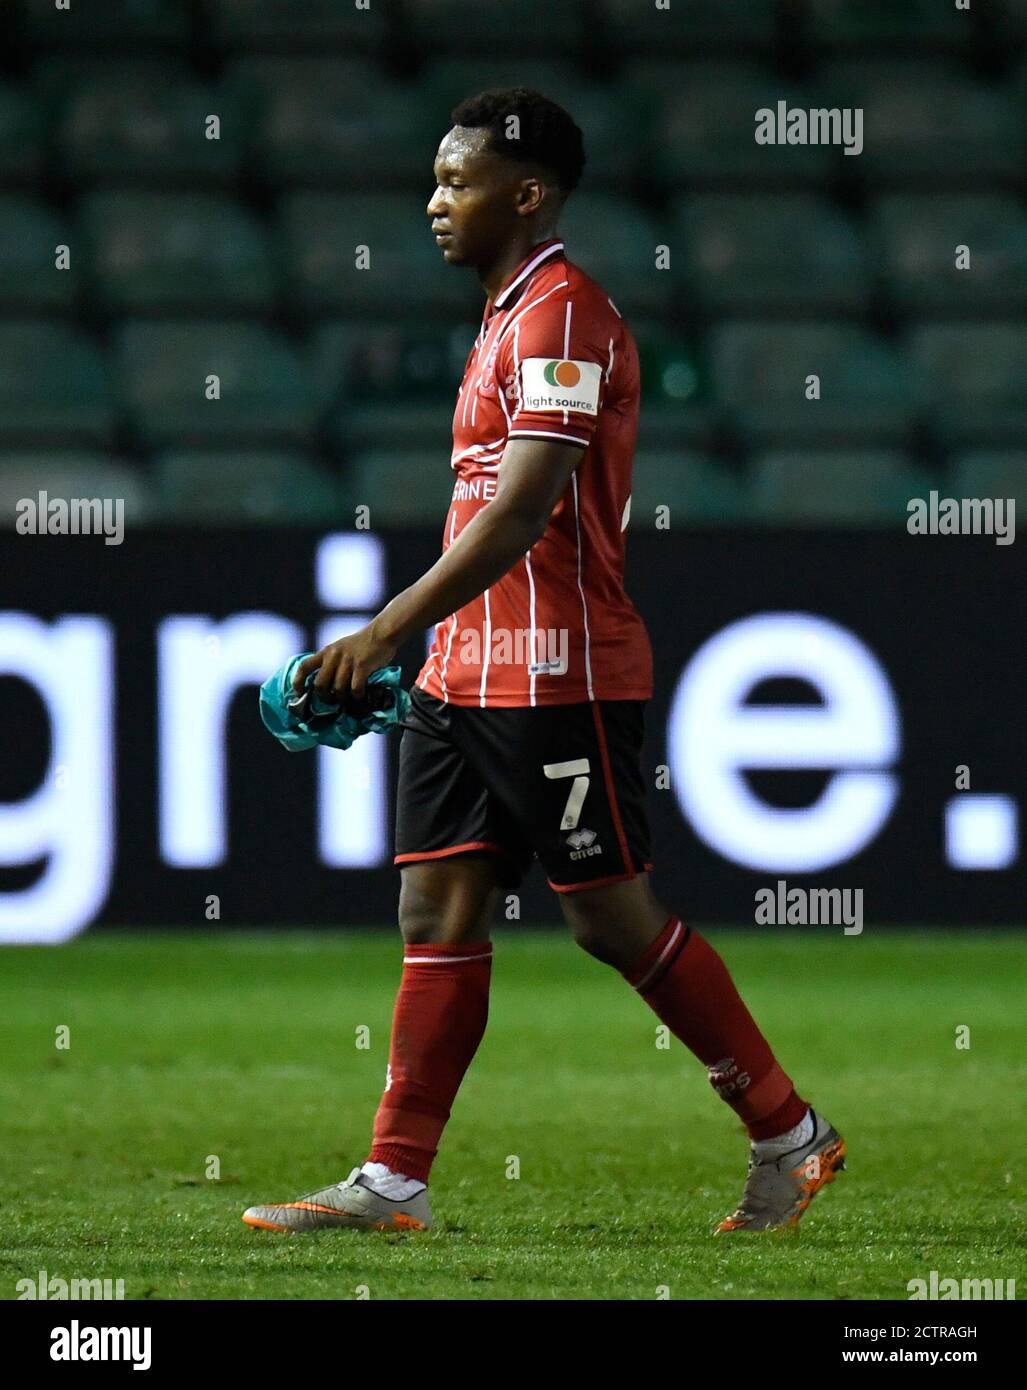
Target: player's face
{"x":473,"y":208}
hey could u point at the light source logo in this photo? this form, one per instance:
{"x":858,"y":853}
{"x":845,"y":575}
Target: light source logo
{"x":561,"y":373}
{"x":553,"y":383}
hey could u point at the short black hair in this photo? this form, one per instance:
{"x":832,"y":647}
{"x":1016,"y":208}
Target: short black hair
{"x":548,"y":134}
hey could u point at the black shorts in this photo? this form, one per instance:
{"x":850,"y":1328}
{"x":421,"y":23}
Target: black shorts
{"x":562,"y":782}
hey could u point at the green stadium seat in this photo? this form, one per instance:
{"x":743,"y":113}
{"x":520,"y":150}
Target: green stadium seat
{"x":322,"y":122}
{"x":132,"y":25}
{"x":189,"y":252}
{"x":140,"y":121}
{"x":72,"y":474}
{"x":926,"y":124}
{"x":991,"y":473}
{"x":266,"y":396}
{"x":837,"y":26}
{"x":314,"y":25}
{"x":389,"y":383}
{"x":237,"y":487}
{"x":675,"y":410}
{"x":491,"y":28}
{"x":319,"y":234}
{"x":688,"y":26}
{"x":53,"y":387}
{"x":916,"y":239}
{"x":612,"y":119}
{"x":448,"y":80}
{"x":851,"y":487}
{"x":614,"y":241}
{"x":788,"y":253}
{"x":21,"y":136}
{"x":759,"y":373}
{"x":697,"y":491}
{"x":29,"y":279}
{"x":703,"y":122}
{"x":973,"y":382}
{"x":402,"y":487}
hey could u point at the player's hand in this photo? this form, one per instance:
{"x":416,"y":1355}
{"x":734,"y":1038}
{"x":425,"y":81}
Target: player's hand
{"x":345,"y":665}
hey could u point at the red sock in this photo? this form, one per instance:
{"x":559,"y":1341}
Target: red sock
{"x":440,"y":1016}
{"x":687,"y":985}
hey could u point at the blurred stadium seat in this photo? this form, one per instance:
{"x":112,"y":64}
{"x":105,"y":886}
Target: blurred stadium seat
{"x":208,"y":487}
{"x":703,"y":126}
{"x":881,"y":26}
{"x":330,"y":122}
{"x":973,"y":382}
{"x":68,"y":473}
{"x":688,"y":26}
{"x":183,"y":253}
{"x":624,"y":263}
{"x":54,"y":387}
{"x":402,"y":487}
{"x":139,"y":121}
{"x":443,"y":24}
{"x":927,"y":124}
{"x":810,"y":487}
{"x":992,"y":473}
{"x":129,"y":25}
{"x":21,"y":137}
{"x":309,"y":24}
{"x":772,"y":254}
{"x":389,"y":383}
{"x":163,"y":370}
{"x":320,"y":234}
{"x":675,"y":390}
{"x":29,"y":236}
{"x":759,"y":373}
{"x":916,"y":238}
{"x":693,"y":487}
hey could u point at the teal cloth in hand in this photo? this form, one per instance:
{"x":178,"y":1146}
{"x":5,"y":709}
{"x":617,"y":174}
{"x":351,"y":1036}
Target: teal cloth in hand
{"x":323,"y":723}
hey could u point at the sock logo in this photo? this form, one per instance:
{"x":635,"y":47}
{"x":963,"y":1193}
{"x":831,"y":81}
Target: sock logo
{"x":388,"y":1076}
{"x":726,"y":1079}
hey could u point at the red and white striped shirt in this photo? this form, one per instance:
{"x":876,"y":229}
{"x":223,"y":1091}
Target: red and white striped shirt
{"x":553,"y":360}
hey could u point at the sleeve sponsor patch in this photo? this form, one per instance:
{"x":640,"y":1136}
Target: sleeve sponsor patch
{"x":553,"y":383}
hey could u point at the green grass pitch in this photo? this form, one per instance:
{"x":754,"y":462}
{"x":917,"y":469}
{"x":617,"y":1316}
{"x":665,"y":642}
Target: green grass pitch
{"x":243,"y":1047}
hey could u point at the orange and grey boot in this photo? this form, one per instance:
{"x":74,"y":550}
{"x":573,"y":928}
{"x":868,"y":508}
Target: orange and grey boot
{"x":352,"y":1203}
{"x":777,"y":1191}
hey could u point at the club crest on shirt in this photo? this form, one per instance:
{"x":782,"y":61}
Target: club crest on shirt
{"x":550,"y":383}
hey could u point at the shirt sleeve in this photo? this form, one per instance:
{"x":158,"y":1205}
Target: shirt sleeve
{"x":554,"y":366}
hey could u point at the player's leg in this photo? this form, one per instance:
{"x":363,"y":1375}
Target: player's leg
{"x":456,"y":850}
{"x":447,"y":906}
{"x":592,"y":836}
{"x":687,"y":985}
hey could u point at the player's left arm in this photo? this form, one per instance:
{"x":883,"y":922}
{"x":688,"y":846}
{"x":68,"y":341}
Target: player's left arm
{"x":533,"y":475}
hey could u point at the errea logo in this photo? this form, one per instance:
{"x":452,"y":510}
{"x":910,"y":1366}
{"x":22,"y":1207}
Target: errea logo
{"x":552,"y":383}
{"x":583,"y":844}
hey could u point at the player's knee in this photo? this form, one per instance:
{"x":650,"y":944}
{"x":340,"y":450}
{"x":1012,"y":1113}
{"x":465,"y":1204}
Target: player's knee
{"x":440,"y":908}
{"x":594,"y":934}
